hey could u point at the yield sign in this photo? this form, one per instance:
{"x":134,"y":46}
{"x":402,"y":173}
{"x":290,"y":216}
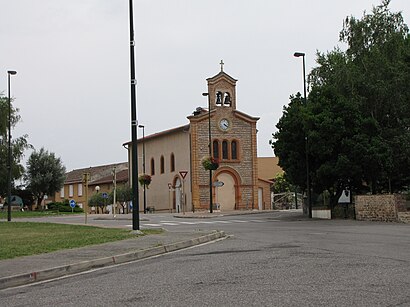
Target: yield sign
{"x":183,"y":174}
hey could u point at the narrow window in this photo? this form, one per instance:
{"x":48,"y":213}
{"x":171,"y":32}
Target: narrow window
{"x":62,"y":192}
{"x":224,"y":150}
{"x":234,"y":150}
{"x":216,"y":149}
{"x":80,"y":189}
{"x":70,"y":190}
{"x":162,"y":164}
{"x":172,"y":163}
{"x":152,"y":167}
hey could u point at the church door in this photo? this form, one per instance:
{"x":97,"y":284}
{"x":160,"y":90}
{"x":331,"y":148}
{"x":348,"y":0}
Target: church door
{"x":225,"y":195}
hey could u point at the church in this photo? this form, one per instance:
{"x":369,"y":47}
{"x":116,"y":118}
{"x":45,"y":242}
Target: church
{"x":175,"y":158}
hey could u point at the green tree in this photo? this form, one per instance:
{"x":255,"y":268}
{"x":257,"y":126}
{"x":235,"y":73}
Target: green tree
{"x":357,"y":119}
{"x":289,"y":141}
{"x":18,"y":145}
{"x":379,"y":49}
{"x":97,"y":200}
{"x":281,"y":184}
{"x":123,"y":195}
{"x":45,"y":174}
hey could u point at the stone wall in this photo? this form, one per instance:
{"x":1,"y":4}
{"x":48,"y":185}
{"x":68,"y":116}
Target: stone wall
{"x":382,"y":208}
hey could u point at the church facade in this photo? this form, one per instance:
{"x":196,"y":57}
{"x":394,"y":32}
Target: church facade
{"x":173,"y":158}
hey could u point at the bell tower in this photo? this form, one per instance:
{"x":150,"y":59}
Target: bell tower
{"x":222,"y":90}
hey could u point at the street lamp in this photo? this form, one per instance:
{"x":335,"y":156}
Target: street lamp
{"x":97,"y":189}
{"x":143,"y":165}
{"x":210,"y":151}
{"x":134,"y":142}
{"x":9,"y":73}
{"x":309,"y":197}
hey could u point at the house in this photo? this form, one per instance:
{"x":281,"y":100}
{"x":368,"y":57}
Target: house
{"x":99,"y":176}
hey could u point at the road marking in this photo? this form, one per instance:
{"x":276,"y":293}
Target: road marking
{"x":180,"y":223}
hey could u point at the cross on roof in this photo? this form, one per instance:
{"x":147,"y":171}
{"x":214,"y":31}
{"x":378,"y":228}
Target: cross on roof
{"x":222,"y":65}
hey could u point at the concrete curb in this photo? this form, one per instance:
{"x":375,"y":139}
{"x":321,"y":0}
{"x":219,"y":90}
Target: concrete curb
{"x":27,"y":278}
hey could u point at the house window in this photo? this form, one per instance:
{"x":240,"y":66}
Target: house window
{"x":225,"y":150}
{"x":162,"y":164}
{"x":234,"y":150}
{"x":80,"y":189}
{"x":216,"y":149}
{"x":62,"y":192}
{"x":152,"y":167}
{"x":172,"y":164}
{"x":70,"y":190}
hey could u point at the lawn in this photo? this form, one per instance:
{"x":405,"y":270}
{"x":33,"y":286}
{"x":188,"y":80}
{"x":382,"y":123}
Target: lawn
{"x":21,"y":214}
{"x":24,"y":239}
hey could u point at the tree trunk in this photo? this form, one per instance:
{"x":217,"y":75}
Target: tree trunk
{"x":334,"y":198}
{"x":39,"y":201}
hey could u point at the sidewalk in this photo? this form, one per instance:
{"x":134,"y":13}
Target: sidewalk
{"x":29,"y":269}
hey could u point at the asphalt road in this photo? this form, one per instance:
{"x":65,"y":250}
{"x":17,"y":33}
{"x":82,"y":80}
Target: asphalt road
{"x":269,"y":260}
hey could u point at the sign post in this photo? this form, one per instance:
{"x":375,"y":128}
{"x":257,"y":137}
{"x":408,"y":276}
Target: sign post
{"x":72,"y":205}
{"x":183,"y":175}
{"x":86,"y":179}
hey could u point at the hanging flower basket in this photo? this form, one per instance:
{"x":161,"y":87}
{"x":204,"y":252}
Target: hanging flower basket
{"x":144,"y":179}
{"x":210,"y":163}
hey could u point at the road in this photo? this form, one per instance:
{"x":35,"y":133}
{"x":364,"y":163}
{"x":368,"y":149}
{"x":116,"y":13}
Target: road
{"x":268,"y":260}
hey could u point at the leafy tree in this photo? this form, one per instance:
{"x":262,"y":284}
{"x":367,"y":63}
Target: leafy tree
{"x":26,"y":196}
{"x":290,"y":141}
{"x":379,"y":49}
{"x":281,"y":184}
{"x":45,"y":174}
{"x":357,"y":119}
{"x":97,"y":200}
{"x":123,"y":195}
{"x":18,"y":146}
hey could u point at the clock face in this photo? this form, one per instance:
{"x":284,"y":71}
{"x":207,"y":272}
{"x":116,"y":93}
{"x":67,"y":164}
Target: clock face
{"x":224,"y":124}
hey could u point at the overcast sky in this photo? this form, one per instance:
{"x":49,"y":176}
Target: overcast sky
{"x":72,"y":59}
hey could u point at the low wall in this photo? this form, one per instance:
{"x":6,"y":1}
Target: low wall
{"x":404,"y":217}
{"x":322,"y":214}
{"x":382,"y":208}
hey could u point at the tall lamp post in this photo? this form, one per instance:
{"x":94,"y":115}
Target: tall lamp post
{"x":143,"y":165}
{"x":134,"y":150}
{"x":309,"y":198}
{"x":9,"y":73}
{"x":210,"y":150}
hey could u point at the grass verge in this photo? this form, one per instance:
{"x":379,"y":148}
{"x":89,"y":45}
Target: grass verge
{"x":26,"y":238}
{"x":24,"y":214}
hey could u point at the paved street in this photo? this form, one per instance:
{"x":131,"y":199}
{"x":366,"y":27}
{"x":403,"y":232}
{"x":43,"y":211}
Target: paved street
{"x":270,"y":259}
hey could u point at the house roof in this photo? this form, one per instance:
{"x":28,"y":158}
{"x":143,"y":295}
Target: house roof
{"x":122,"y":176}
{"x":268,"y":168}
{"x":96,"y":172}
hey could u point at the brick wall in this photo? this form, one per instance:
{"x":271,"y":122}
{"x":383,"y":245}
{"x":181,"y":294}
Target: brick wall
{"x":383,"y":208}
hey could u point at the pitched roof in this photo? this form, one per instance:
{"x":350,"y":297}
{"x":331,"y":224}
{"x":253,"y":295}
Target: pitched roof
{"x":122,"y":176}
{"x":96,"y":172}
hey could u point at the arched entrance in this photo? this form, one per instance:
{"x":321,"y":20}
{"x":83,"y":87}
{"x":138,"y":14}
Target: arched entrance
{"x":226,"y":195}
